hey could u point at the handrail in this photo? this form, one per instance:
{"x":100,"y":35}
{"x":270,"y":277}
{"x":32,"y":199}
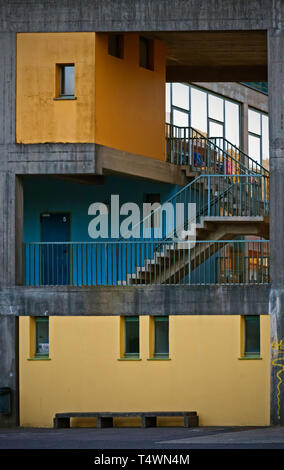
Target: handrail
{"x":186,"y":134}
{"x":140,"y":262}
{"x":243,"y":188}
{"x":245,"y":155}
{"x":201,"y":136}
{"x":174,"y":196}
{"x":191,"y":134}
{"x":120,"y":242}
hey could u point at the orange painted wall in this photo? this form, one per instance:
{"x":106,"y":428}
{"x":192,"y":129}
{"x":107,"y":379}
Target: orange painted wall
{"x":130,"y":100}
{"x":119,"y":104}
{"x":39,"y":118}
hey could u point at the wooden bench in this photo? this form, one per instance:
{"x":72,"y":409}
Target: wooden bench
{"x":105,"y":419}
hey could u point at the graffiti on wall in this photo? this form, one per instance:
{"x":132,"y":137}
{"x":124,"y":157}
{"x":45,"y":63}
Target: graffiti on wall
{"x":278,"y":361}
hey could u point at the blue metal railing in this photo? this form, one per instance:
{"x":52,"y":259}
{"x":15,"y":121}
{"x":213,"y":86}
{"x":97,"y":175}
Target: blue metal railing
{"x":146,"y":262}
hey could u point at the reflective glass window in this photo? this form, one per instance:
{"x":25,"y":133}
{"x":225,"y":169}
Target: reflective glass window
{"x":199,"y":110}
{"x":252,"y":335}
{"x":161,"y":333}
{"x":254,"y":121}
{"x":232,"y":124}
{"x":180,"y":95}
{"x":180,"y":118}
{"x":254,"y":147}
{"x":215,"y":130}
{"x":215,"y":107}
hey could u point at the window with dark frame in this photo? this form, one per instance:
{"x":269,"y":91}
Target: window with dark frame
{"x":146,"y":53}
{"x":161,"y":337}
{"x":116,"y":45}
{"x":258,"y":135}
{"x":131,"y":333}
{"x":252,"y":335}
{"x":208,"y":113}
{"x":67,"y":81}
{"x":42,"y":336}
{"x":152,"y":199}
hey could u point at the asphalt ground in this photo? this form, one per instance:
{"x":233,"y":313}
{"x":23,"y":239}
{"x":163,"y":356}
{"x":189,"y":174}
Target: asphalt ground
{"x":139,"y":438}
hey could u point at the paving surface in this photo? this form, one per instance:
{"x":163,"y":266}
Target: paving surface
{"x":136,"y":438}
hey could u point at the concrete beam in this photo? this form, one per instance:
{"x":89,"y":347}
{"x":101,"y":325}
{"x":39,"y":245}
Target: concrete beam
{"x":110,"y":160}
{"x":216,"y":74}
{"x":238,"y":92}
{"x":54,"y":158}
{"x":135,"y":300}
{"x":138,"y":15}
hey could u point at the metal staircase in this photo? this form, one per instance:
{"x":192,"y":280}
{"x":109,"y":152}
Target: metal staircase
{"x":232,"y":198}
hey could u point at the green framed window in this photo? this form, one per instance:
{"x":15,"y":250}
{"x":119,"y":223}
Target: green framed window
{"x":42,"y":336}
{"x":161,"y":337}
{"x":131,"y":334}
{"x":252,"y":335}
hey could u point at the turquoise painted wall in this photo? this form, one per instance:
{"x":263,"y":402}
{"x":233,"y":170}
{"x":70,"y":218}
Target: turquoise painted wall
{"x":96,"y":262}
{"x":47,"y":194}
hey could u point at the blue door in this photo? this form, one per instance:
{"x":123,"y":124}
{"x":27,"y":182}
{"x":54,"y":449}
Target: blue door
{"x":55,"y":254}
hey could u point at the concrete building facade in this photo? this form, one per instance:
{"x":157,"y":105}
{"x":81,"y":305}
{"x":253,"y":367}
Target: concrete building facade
{"x":166,"y":328}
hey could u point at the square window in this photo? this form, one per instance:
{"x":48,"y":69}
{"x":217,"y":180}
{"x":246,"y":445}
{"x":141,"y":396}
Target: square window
{"x":161,"y":337}
{"x":66,"y":78}
{"x":252,"y":335}
{"x":146,"y":53}
{"x":42,"y":336}
{"x":131,"y":335}
{"x":116,"y":45}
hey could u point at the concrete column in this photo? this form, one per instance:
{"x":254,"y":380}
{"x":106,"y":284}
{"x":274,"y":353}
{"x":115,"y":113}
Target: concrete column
{"x":8,"y":89}
{"x":10,"y":198}
{"x":9,"y":374}
{"x":8,"y":182}
{"x":11,"y":217}
{"x":19,"y":227}
{"x":276,"y":142}
{"x":9,"y":189}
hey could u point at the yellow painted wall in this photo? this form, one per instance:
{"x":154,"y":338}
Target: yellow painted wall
{"x":119,"y":104}
{"x":203,"y":375}
{"x":130,"y":100}
{"x":39,"y":118}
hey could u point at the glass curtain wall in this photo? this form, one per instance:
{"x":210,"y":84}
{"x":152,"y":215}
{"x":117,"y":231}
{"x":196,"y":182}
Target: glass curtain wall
{"x":210,"y":114}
